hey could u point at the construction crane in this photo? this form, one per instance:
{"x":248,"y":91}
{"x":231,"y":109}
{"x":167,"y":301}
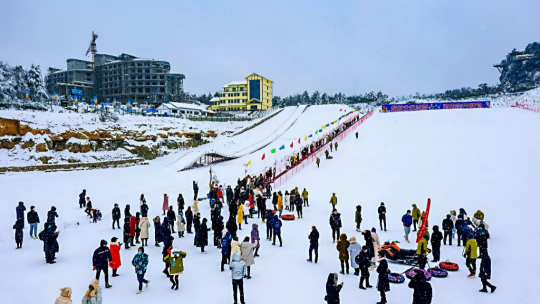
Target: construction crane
{"x":93,"y":48}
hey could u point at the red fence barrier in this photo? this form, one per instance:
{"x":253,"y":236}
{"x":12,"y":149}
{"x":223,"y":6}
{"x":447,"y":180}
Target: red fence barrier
{"x":287,"y":173}
{"x":528,"y":107}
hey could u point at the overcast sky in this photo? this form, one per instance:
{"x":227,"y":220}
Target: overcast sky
{"x":398,"y":47}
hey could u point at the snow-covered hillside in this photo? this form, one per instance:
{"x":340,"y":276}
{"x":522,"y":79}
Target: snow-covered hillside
{"x":483,"y":159}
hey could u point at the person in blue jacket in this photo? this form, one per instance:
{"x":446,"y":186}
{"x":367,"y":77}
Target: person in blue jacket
{"x":460,"y":223}
{"x":276,"y":224}
{"x":407,"y":219}
{"x":225,"y":250}
{"x":269,"y":227}
{"x":20,"y":212}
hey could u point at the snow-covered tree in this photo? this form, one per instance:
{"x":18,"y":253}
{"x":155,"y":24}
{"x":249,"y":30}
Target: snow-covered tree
{"x":34,"y":82}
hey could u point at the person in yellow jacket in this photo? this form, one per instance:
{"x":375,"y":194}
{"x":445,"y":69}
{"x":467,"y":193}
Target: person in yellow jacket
{"x":415,"y":216}
{"x":240,"y":216}
{"x":333,"y":201}
{"x":471,"y":254}
{"x":305,"y":197}
{"x":422,"y":251}
{"x":280,"y":203}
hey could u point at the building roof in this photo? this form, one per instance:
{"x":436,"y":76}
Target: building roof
{"x":214,"y":99}
{"x":180,"y":105}
{"x":241,"y":82}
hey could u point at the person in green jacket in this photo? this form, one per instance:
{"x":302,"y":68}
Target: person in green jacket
{"x":471,"y":254}
{"x":415,"y":215}
{"x":305,"y":197}
{"x":333,"y":201}
{"x":175,"y":258}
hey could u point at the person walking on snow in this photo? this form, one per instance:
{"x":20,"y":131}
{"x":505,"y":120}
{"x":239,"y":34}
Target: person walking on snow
{"x":140,"y":262}
{"x":358,"y":217}
{"x":482,"y":236}
{"x":471,"y":254}
{"x":116,"y":213}
{"x":407,"y":221}
{"x":342,"y":248}
{"x":485,"y":272}
{"x":126,"y":232}
{"x":383,"y":283}
{"x":115,"y":261}
{"x":318,"y":161}
{"x":335,"y":224}
{"x":238,"y":271}
{"x":363,"y":260}
{"x":276,"y":225}
{"x":354,"y":250}
{"x":89,"y":208}
{"x":436,"y":238}
{"x":176,"y":265}
{"x":165,"y":207}
{"x":382,"y":216}
{"x":100,"y":261}
{"x":333,"y":201}
{"x":333,"y":289}
{"x":247,"y":249}
{"x":313,"y":244}
{"x":82,"y":199}
{"x":447,"y":226}
{"x":19,"y":234}
{"x":51,"y":216}
{"x":415,"y":216}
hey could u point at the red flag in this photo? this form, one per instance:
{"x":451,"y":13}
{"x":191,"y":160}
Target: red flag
{"x":264,"y":155}
{"x":422,"y":229}
{"x":299,"y":140}
{"x":340,"y":110}
{"x":292,"y":144}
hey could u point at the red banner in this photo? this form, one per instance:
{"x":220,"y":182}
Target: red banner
{"x":422,"y":229}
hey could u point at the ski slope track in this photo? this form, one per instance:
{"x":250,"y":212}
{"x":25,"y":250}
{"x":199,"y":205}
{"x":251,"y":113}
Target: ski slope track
{"x":476,"y":159}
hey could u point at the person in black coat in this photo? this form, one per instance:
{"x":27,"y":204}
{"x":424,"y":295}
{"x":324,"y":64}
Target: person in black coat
{"x":52,"y":215}
{"x":100,"y":261}
{"x":171,"y":218}
{"x":231,"y":226}
{"x":82,"y":199}
{"x":299,"y":204}
{"x":275,"y":201}
{"x":369,"y":243}
{"x":19,"y":234}
{"x":33,"y":220}
{"x":383,"y":284}
{"x":485,"y":272}
{"x":335,"y":224}
{"x":126,"y":232}
{"x":20,"y":212}
{"x":333,"y":289}
{"x":460,"y":223}
{"x":203,"y":235}
{"x":230,"y":195}
{"x":217,"y":227}
{"x":144,"y":209}
{"x":197,"y":227}
{"x":447,"y":226}
{"x":261,"y":206}
{"x":482,"y":236}
{"x":363,"y":259}
{"x":116,"y":214}
{"x":189,"y":219}
{"x":422,"y":289}
{"x":382,"y":216}
{"x":127,"y":211}
{"x":436,"y":238}
{"x":50,"y":243}
{"x":313,"y":244}
{"x":165,"y":230}
{"x":158,"y":233}
{"x":180,"y":202}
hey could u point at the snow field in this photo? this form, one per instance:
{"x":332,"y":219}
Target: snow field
{"x":475,"y":159}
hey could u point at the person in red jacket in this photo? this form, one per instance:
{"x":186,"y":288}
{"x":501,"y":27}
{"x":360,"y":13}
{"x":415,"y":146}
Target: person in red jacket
{"x":132,"y":229}
{"x":219,"y":194}
{"x":115,"y":262}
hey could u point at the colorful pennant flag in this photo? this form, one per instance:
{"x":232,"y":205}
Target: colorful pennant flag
{"x":248,"y":163}
{"x":273,"y":151}
{"x":305,"y":138}
{"x":264,"y":155}
{"x":320,"y":130}
{"x":316,"y":132}
{"x":282,"y":147}
{"x":310,"y":135}
{"x":328,"y":125}
{"x":323,"y":127}
{"x":292,"y":144}
{"x":298,"y":140}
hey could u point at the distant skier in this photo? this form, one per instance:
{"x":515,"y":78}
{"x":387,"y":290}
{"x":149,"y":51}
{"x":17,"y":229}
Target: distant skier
{"x":313,"y":244}
{"x":382,"y":216}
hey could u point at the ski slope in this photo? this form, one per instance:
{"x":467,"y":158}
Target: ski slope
{"x":476,"y":159}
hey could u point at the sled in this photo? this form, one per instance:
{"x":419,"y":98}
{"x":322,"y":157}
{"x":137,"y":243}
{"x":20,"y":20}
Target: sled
{"x":394,"y":254}
{"x":288,"y":217}
{"x":396,"y":278}
{"x":438,"y":272}
{"x":449,"y":266}
{"x":412,"y":273}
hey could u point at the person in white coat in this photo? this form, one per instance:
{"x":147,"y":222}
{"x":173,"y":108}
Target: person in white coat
{"x":180,"y":224}
{"x":286,"y":200}
{"x":144,"y":225}
{"x":376,"y":244}
{"x":248,"y":250}
{"x":354,"y":249}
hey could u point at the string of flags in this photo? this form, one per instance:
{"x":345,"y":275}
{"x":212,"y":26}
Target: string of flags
{"x":307,"y":137}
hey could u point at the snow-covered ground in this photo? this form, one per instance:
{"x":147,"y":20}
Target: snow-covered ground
{"x":476,"y":159}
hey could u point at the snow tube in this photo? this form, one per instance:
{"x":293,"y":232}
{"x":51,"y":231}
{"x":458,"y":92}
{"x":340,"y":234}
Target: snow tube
{"x":411,"y":273}
{"x":255,"y":211}
{"x":274,"y":211}
{"x":287,"y":217}
{"x":449,"y":266}
{"x":438,"y":272}
{"x":396,"y":278}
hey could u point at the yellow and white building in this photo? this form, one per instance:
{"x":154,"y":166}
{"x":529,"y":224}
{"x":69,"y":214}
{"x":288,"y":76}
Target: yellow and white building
{"x":252,"y":94}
